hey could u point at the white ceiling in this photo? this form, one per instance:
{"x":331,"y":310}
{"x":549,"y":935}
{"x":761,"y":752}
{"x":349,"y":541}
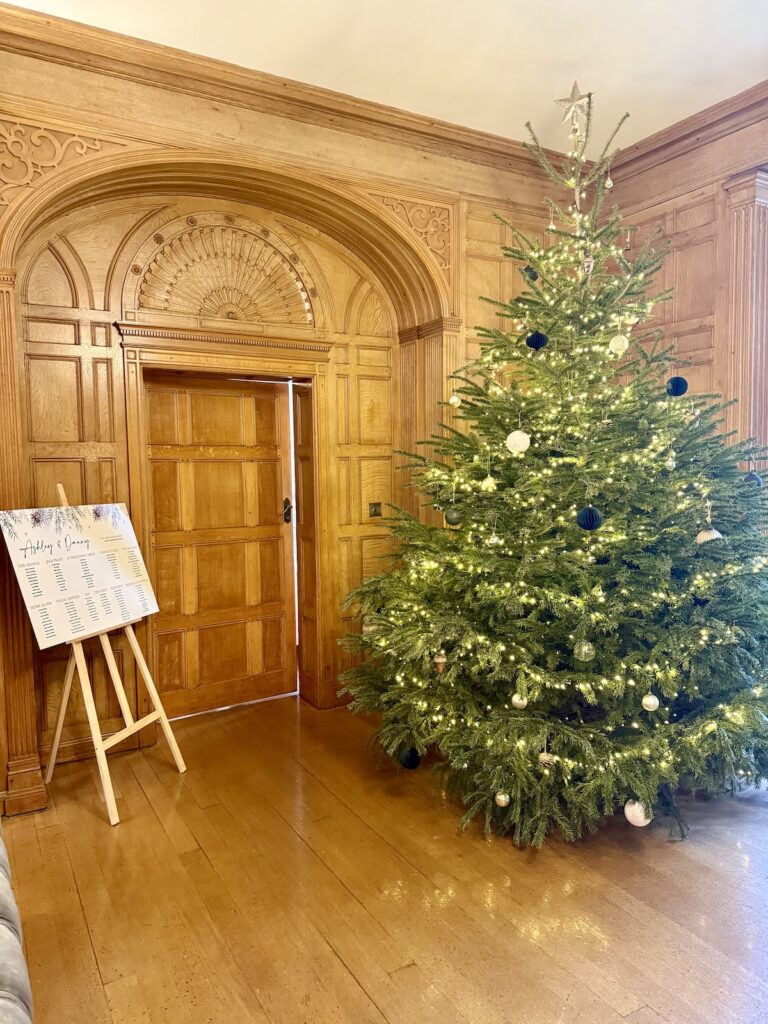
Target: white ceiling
{"x":488,"y":64}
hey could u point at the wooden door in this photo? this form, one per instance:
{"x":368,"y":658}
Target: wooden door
{"x":221,"y":553}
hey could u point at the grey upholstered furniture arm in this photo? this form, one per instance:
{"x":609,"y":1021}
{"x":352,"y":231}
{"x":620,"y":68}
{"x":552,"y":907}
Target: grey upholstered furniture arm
{"x":15,"y":993}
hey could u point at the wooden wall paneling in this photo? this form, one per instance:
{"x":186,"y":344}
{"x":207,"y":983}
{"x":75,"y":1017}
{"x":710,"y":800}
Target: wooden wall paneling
{"x":306,"y":542}
{"x":747,"y":247}
{"x":23,"y":781}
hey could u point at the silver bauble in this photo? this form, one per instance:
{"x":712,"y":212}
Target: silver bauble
{"x":519,"y":701}
{"x":454,"y":401}
{"x":518,"y":441}
{"x":502,"y":799}
{"x":707,"y":535}
{"x":368,"y":628}
{"x":584,"y":651}
{"x":636,"y":814}
{"x":670,"y":463}
{"x":650,"y":702}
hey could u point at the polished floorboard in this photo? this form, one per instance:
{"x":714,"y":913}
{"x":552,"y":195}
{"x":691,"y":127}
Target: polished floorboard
{"x":290,"y":878}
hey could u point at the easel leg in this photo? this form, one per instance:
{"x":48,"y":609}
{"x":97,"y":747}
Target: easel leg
{"x":117,"y":682}
{"x":98,"y":742}
{"x":154,"y":696}
{"x":62,"y":715}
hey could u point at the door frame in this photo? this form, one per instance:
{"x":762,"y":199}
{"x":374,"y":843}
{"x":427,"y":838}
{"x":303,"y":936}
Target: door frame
{"x":153,"y":348}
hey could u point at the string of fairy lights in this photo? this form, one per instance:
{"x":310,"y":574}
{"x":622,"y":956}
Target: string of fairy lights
{"x":589,"y":420}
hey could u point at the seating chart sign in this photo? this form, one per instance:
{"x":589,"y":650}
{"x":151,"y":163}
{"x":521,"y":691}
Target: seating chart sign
{"x":79,"y":568}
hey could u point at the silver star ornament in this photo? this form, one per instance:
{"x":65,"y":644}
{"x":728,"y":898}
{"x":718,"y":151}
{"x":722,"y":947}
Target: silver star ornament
{"x":574,"y":105}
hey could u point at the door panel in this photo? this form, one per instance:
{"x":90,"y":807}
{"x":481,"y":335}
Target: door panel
{"x":305,"y":543}
{"x":221,"y":555}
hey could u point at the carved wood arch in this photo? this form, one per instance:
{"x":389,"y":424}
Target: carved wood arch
{"x":415,"y":284}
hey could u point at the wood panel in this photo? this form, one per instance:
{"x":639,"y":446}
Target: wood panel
{"x":219,"y":457}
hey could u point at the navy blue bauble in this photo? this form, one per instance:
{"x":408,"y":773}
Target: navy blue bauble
{"x":536,"y":340}
{"x":700,"y":602}
{"x":677,"y":572}
{"x":409,"y":758}
{"x":453,"y":516}
{"x":530,"y":273}
{"x":677,"y":386}
{"x":589,"y":518}
{"x":754,"y":478}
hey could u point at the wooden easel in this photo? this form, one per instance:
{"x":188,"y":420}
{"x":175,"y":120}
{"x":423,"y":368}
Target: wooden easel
{"x":77,"y":662}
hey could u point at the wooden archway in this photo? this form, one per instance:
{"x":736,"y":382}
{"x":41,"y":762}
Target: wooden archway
{"x":415,"y":287}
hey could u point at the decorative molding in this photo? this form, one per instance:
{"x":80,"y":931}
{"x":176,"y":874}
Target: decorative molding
{"x":737,"y":112}
{"x":442,"y":325}
{"x":432,"y":223}
{"x":191,"y":335}
{"x":747,"y":187}
{"x":96,"y":50}
{"x":28,"y":152}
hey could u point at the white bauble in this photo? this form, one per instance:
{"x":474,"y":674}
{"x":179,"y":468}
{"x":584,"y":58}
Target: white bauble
{"x":518,"y":441}
{"x":650,"y":702}
{"x":636,"y":814}
{"x":618,"y":344}
{"x":519,"y":701}
{"x":454,"y":401}
{"x":710,"y":534}
{"x":502,"y":799}
{"x":670,"y":463}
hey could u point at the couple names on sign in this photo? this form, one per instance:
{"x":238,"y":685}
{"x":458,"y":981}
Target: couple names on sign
{"x":79,"y":568}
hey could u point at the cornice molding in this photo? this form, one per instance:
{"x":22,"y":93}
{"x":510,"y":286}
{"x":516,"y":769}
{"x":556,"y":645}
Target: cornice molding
{"x":442,"y":325}
{"x":195,"y":337}
{"x":96,"y":50}
{"x":748,"y":188}
{"x":700,"y":129}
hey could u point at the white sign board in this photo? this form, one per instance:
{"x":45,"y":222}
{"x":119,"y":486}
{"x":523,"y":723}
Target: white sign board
{"x":79,"y":568}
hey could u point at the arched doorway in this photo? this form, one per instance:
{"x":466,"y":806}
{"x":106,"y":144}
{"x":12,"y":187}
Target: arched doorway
{"x":212,"y":267}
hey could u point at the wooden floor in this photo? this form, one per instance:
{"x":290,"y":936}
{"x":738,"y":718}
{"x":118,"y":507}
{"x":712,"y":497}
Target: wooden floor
{"x":288,"y":879}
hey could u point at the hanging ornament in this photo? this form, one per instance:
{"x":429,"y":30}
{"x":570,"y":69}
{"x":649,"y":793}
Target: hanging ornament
{"x":488,"y":484}
{"x":453,"y":516}
{"x":530,"y":273}
{"x":518,"y":441}
{"x":589,"y":518}
{"x":754,"y":478}
{"x":546,"y":759}
{"x":677,"y":572}
{"x":618,"y":344}
{"x":551,"y":226}
{"x":409,"y":758}
{"x":537,"y":341}
{"x":677,"y":386}
{"x":650,"y":702}
{"x":368,"y":627}
{"x":440,"y":661}
{"x":519,"y":701}
{"x":454,"y":401}
{"x":502,"y":799}
{"x":583,"y":650}
{"x":609,"y":182}
{"x":494,"y":540}
{"x":670,"y":463}
{"x":708,"y":534}
{"x":588,"y":264}
{"x":636,"y":814}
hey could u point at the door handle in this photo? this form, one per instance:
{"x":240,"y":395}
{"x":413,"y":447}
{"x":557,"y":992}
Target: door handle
{"x":287,"y":510}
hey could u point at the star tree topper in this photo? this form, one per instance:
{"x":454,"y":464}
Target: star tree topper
{"x":575,"y":105}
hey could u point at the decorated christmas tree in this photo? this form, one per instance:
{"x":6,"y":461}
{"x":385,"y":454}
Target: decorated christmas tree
{"x":588,"y":630}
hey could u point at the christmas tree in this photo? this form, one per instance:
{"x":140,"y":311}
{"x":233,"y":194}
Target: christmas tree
{"x":589,"y":628}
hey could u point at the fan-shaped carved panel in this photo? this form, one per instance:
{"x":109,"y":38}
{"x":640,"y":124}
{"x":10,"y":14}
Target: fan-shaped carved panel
{"x":227,"y":272}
